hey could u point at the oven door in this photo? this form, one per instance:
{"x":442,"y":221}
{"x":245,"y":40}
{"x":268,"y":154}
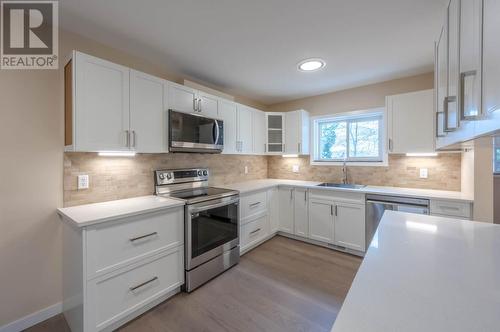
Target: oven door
{"x":195,"y":133}
{"x":212,"y":227}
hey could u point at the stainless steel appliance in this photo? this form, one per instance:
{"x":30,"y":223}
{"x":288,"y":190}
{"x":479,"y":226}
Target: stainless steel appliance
{"x":195,"y":133}
{"x":211,"y":223}
{"x":376,"y":205}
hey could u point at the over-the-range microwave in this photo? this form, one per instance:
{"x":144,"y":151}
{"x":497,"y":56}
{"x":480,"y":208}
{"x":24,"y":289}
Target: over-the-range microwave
{"x":194,"y":133}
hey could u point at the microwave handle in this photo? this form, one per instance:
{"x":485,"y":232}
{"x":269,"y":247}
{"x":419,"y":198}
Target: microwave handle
{"x":217,"y":133}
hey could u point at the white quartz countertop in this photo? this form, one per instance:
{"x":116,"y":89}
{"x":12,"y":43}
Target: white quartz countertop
{"x":89,"y":214}
{"x":424,"y":273}
{"x":255,"y":185}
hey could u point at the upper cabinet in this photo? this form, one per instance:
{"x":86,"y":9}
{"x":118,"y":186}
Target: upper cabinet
{"x":259,"y":132}
{"x":244,"y":143}
{"x":97,"y":113}
{"x":471,"y":102}
{"x":297,"y":132}
{"x":275,"y":133}
{"x":185,"y":99}
{"x":409,"y":115}
{"x":228,"y":113}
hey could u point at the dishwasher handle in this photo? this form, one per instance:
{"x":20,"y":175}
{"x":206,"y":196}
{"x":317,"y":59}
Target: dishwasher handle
{"x":414,"y":208}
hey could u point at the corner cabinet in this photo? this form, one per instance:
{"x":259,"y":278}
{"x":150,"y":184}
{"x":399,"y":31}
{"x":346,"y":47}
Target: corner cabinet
{"x":297,"y":132}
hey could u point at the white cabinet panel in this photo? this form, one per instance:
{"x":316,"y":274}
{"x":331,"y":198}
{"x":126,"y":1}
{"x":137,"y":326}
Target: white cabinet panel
{"x":228,"y":112}
{"x":182,"y":98}
{"x":275,"y":133}
{"x":101,"y":104}
{"x":441,"y":70}
{"x":410,"y":116}
{"x":286,"y":205}
{"x":301,"y":216}
{"x":148,"y":113}
{"x":245,"y":130}
{"x":452,"y":104}
{"x":254,"y":232}
{"x":297,"y":132}
{"x":253,"y":204}
{"x":208,"y":104}
{"x":259,"y":132}
{"x":273,"y":209}
{"x":350,"y":226}
{"x":321,"y":220}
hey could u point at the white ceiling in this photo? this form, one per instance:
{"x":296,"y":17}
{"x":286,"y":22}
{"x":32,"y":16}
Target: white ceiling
{"x":251,"y":47}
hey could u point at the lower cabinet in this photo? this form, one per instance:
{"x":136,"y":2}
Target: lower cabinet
{"x":321,"y":220}
{"x":117,"y":270}
{"x":286,"y":207}
{"x":300,"y":209}
{"x":349,"y":225}
{"x":273,"y":209}
{"x":253,"y":232}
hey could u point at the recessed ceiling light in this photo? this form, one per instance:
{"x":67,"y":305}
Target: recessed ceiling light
{"x":311,"y":64}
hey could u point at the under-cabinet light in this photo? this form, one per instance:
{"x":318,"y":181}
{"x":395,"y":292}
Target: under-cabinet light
{"x":430,"y":154}
{"x":290,"y":156}
{"x":117,"y":154}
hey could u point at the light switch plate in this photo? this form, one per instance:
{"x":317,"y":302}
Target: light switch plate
{"x":424,"y":173}
{"x":295,"y":168}
{"x":83,"y":181}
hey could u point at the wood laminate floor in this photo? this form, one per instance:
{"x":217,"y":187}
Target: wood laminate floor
{"x":283,"y":285}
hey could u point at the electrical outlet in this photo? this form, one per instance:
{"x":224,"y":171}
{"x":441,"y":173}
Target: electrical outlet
{"x":295,"y":168}
{"x":246,"y":169}
{"x":424,"y":173}
{"x":83,"y":181}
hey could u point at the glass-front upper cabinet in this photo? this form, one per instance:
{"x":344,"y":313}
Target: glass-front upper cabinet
{"x":275,"y":127}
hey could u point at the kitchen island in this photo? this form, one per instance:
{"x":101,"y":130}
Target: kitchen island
{"x":425,"y":273}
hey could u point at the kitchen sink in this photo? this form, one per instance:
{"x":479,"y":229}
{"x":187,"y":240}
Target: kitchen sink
{"x":341,"y":185}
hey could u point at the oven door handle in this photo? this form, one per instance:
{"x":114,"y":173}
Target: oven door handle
{"x":195,"y":209}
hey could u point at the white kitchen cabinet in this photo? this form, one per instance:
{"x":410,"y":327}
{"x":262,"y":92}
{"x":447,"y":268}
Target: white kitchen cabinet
{"x":259,"y":132}
{"x":452,"y":114}
{"x":188,"y":100}
{"x":148,"y":113}
{"x":275,"y":133}
{"x":244,"y":143}
{"x":349,"y":226}
{"x":441,"y":80}
{"x":273,"y":207}
{"x":97,"y":109}
{"x":409,"y":116}
{"x":301,"y":216}
{"x":286,"y":206}
{"x":321,"y":219}
{"x":228,"y":113}
{"x":297,"y":132}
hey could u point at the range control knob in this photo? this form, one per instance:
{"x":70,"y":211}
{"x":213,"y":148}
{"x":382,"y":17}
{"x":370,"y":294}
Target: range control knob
{"x":169,"y":176}
{"x":205,"y":173}
{"x":161,"y":176}
{"x":200,"y":173}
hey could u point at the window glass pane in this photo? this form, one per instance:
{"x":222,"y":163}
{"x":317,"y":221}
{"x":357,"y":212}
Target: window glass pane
{"x":364,"y":138}
{"x":497,"y":160}
{"x":332,"y":140}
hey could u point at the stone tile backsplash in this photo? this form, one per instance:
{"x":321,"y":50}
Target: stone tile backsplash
{"x":117,"y":178}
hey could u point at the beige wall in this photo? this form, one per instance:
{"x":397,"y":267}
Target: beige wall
{"x":483,"y":179}
{"x":365,"y":97}
{"x":117,"y":178}
{"x":31,"y":177}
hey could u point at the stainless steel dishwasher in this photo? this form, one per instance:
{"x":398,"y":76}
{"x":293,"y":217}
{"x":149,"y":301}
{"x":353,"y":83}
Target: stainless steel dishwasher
{"x":376,"y":205}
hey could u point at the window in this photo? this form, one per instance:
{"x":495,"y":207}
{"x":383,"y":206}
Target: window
{"x":354,"y":137}
{"x":497,"y":155}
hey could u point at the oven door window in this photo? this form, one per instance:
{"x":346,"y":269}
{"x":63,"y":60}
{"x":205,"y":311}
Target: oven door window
{"x":212,"y":228}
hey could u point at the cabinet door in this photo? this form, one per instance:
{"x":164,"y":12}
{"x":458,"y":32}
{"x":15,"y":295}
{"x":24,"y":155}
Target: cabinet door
{"x":101,"y":105}
{"x":286,"y":210}
{"x":350,"y":226}
{"x":441,"y":79}
{"x":273,"y":208}
{"x":292,"y":132}
{"x":208,"y":104}
{"x":452,"y":102}
{"x":471,"y":17}
{"x":229,"y":114}
{"x":321,"y":220}
{"x":409,"y":117}
{"x":245,"y":130}
{"x":148,"y":113}
{"x":181,"y":98}
{"x":259,"y":132}
{"x":304,"y":128}
{"x":275,"y":126}
{"x":301,"y":213}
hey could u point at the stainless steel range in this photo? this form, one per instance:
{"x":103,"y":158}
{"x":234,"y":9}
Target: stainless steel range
{"x":211,"y":222}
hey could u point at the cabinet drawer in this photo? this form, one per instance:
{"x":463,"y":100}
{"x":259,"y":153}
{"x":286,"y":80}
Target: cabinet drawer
{"x":253,"y":204}
{"x":113,"y":298}
{"x":122,"y":242}
{"x":454,"y":209}
{"x":253,"y":231}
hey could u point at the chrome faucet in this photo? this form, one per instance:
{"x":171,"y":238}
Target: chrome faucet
{"x":344,"y":172}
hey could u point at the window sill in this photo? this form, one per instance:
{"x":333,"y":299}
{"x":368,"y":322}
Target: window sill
{"x":350,"y":163}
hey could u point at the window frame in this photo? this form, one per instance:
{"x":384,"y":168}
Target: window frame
{"x":381,"y":160}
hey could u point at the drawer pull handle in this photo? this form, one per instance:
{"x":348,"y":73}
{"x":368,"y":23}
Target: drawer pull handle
{"x":143,"y":237}
{"x":452,"y":208}
{"x":254,"y":204}
{"x":255,"y":231}
{"x":143,"y":284}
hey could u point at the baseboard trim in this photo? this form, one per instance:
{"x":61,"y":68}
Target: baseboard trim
{"x":32,"y":319}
